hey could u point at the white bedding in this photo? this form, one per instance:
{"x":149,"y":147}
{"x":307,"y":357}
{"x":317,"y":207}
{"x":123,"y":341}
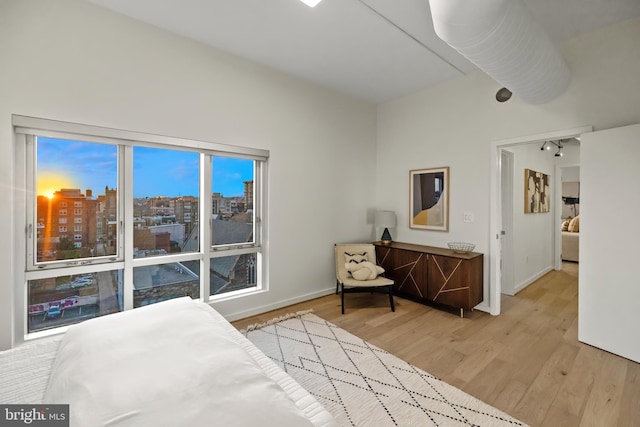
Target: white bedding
{"x":109,"y":371}
{"x":24,"y":371}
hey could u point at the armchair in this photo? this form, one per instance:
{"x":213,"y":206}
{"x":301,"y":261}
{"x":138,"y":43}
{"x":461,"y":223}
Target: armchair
{"x":345,"y":281}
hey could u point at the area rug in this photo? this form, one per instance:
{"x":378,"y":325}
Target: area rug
{"x":363,"y":385}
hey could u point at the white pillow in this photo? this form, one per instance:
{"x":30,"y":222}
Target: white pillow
{"x":355,"y":258}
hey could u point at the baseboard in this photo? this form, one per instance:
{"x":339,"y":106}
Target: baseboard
{"x":483,"y":307}
{"x":276,"y":305}
{"x":232,"y":317}
{"x":531,"y":279}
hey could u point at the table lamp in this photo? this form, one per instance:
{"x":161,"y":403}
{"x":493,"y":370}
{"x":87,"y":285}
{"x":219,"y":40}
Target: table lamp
{"x":385,"y":219}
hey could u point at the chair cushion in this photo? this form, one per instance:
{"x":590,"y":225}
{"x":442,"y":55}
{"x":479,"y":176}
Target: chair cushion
{"x":350,"y":282}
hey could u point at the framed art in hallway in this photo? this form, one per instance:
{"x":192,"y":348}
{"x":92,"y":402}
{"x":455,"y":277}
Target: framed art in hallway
{"x":429,"y":199}
{"x":537,"y":192}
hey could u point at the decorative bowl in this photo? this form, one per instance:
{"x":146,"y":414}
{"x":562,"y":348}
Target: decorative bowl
{"x":461,"y":247}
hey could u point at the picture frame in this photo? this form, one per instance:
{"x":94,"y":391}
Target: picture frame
{"x":429,"y":199}
{"x":537,"y":192}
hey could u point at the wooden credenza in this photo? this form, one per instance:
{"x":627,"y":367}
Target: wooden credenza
{"x":429,"y":274}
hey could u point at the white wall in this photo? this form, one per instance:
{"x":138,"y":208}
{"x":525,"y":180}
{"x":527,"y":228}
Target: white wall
{"x":454,"y":124}
{"x":609,"y":293}
{"x":73,"y":61}
{"x":532,"y":232}
{"x":571,"y":174}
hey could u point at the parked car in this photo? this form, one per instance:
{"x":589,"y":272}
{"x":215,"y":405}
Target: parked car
{"x":54,"y":311}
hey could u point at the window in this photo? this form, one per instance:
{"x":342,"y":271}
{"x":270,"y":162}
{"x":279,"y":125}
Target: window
{"x":159,"y":204}
{"x":233,"y":225}
{"x":137,"y":236}
{"x":165,"y":281}
{"x":76,"y":297}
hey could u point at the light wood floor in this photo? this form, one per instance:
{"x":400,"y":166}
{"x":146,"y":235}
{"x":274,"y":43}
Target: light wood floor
{"x":527,"y":361}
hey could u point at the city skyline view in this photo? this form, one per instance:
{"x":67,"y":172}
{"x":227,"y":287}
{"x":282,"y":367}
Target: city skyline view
{"x":156,"y":172}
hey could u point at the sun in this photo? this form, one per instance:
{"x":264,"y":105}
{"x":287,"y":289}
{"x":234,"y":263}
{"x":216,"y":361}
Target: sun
{"x":50,"y":182}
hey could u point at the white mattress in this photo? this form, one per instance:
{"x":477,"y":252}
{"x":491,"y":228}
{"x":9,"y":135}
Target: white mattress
{"x":25,"y":370}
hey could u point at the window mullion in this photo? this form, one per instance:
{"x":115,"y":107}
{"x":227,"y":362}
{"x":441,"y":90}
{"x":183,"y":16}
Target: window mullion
{"x":125,"y":220}
{"x":23,"y":201}
{"x":206,"y":215}
{"x":258,"y":210}
{"x":32,"y":217}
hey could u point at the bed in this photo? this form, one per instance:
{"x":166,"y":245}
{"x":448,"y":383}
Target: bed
{"x":174,"y":363}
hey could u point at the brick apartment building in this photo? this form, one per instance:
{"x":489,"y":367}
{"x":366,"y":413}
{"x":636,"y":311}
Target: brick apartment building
{"x":66,"y":221}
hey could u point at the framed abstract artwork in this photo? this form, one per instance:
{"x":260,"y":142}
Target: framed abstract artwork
{"x":429,"y":199}
{"x":537,"y":192}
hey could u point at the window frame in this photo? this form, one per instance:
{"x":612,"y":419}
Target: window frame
{"x":26,"y":129}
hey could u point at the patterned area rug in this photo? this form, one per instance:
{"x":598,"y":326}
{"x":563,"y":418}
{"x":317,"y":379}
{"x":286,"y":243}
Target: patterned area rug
{"x":363,"y":385}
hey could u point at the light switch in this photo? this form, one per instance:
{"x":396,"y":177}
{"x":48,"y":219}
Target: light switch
{"x":468,"y":217}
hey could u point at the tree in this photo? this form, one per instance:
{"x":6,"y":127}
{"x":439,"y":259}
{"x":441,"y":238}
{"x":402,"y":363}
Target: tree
{"x":67,"y":249}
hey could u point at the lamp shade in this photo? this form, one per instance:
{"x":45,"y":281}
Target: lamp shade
{"x":385,"y":219}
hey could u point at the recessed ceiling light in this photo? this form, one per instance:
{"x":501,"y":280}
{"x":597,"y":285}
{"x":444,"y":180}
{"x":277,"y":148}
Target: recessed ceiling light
{"x":311,"y":3}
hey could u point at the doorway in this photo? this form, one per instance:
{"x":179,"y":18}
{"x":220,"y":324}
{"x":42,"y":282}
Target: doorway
{"x":499,"y":215}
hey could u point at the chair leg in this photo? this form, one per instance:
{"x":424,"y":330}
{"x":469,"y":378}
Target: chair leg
{"x":342,"y":298}
{"x":393,"y":306}
{"x":337,"y":287}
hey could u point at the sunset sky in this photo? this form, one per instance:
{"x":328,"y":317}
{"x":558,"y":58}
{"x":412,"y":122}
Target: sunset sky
{"x":156,"y":172}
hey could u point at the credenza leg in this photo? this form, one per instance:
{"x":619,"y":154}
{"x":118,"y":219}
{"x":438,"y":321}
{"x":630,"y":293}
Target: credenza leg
{"x":462,"y":313}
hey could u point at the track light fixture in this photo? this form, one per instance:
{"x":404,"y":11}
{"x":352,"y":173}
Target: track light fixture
{"x":558,"y":144}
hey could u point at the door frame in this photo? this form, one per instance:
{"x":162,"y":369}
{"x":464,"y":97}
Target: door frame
{"x":506,"y":231}
{"x":495,"y":202}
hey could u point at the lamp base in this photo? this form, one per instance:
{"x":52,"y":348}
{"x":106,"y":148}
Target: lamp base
{"x":386,"y":237}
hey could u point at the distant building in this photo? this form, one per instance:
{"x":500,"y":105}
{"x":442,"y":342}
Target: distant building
{"x":248,"y":195}
{"x":106,"y":219}
{"x":186,"y":212}
{"x":161,"y":206}
{"x":67,"y":220}
{"x":145,"y":240}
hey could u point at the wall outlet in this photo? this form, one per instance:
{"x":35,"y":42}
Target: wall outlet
{"x":468,"y":217}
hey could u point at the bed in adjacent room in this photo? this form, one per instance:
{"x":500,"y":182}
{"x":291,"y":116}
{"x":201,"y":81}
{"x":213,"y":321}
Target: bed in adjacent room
{"x":178,"y":362}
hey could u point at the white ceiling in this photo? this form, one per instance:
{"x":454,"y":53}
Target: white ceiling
{"x":375,"y":50}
